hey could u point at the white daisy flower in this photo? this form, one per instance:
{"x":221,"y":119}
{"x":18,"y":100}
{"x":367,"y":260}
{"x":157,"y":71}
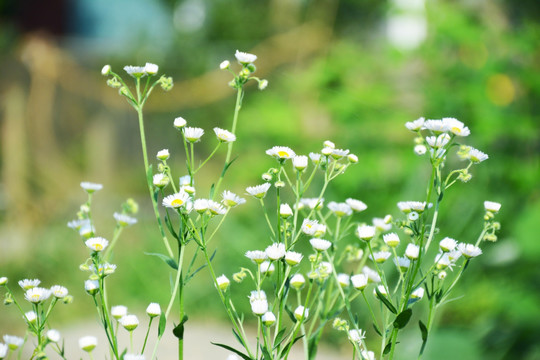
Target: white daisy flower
{"x":418,"y":293}
{"x":88,"y":343}
{"x":344,"y":280}
{"x":151,"y":69}
{"x":135,"y":71}
{"x":391,"y":239}
{"x":179,"y":122}
{"x":53,"y":335}
{"x":420,"y":149}
{"x":438,"y":141}
{"x":365,"y":232}
{"x":91,"y":286}
{"x":300,"y":162}
{"x":163,"y":154}
{"x":356,"y":205}
{"x":402,"y":263}
{"x":59,"y":292}
{"x":313,"y":203}
{"x":315,"y":158}
{"x":216,"y":208}
{"x":285,"y":211}
{"x":153,"y":310}
{"x":259,"y":306}
{"x":281,"y":152}
{"x":129,"y":322}
{"x":298,"y":281}
{"x":13,"y":342}
{"x":3,"y":280}
{"x":352,"y":158}
{"x":469,"y":250}
{"x":371,"y":274}
{"x":340,"y":209}
{"x":230,"y":199}
{"x":224,"y":135}
{"x":224,"y":65}
{"x":415,"y":125}
{"x":193,"y":134}
{"x":119,"y":311}
{"x":76,"y":224}
{"x":27,"y":284}
{"x":87,"y":230}
{"x":267,"y":267}
{"x":177,"y":200}
{"x":30,"y":317}
{"x":437,"y":126}
{"x":97,"y":244}
{"x":359,"y":281}
{"x":124,"y":219}
{"x":258,"y":191}
{"x":357,"y":336}
{"x":37,"y":295}
{"x":293,"y":258}
{"x":456,"y":127}
{"x":223,"y":282}
{"x":160,"y":180}
{"x":412,"y":251}
{"x":3,"y":350}
{"x":268,"y":318}
{"x":447,"y":244}
{"x":339,"y":153}
{"x":257,"y":256}
{"x":492,"y":206}
{"x":301,"y":313}
{"x":380,"y":256}
{"x":245,"y":58}
{"x":381,"y":224}
{"x":106,"y":70}
{"x":476,"y":156}
{"x":324,"y":269}
{"x":184,"y":181}
{"x":408,"y":206}
{"x":320,"y":244}
{"x":90,"y":187}
{"x":275,"y":251}
{"x":368,"y":355}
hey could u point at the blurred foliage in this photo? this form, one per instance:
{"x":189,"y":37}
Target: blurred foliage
{"x":479,"y":64}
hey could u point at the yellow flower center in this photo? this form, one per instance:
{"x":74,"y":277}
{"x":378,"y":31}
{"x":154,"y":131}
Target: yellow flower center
{"x":98,"y":247}
{"x":456,"y":130}
{"x":283,"y":153}
{"x":177,"y":202}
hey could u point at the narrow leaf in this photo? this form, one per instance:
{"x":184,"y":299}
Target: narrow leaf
{"x":377,"y":329}
{"x":385,"y":301}
{"x":291,"y":343}
{"x":423,"y":330}
{"x":162,"y":324}
{"x":403,"y":318}
{"x":237,"y":352}
{"x":178,"y":331}
{"x":170,"y":227}
{"x":168,"y":260}
{"x":226,"y":167}
{"x":387,"y":348}
{"x":279,"y":338}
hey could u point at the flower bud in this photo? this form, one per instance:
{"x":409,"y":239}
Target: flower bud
{"x":163,"y":154}
{"x":268,"y":318}
{"x":263,"y":84}
{"x":225,"y":65}
{"x":179,"y":122}
{"x":106,"y":70}
{"x":153,"y":310}
{"x":3,"y":280}
{"x":223,"y":282}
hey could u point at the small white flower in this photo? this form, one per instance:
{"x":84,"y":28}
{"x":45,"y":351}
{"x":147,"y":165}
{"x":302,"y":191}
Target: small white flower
{"x":13,"y":342}
{"x":315,"y":158}
{"x":124,"y":219}
{"x":151,"y":69}
{"x":437,"y":126}
{"x":340,"y":209}
{"x":135,"y":71}
{"x":179,"y":122}
{"x":343,"y":279}
{"x":469,"y":250}
{"x":391,"y":239}
{"x":245,"y":58}
{"x":3,"y":280}
{"x":90,"y":187}
{"x":216,"y":208}
{"x":119,"y":311}
{"x":91,"y":286}
{"x":285,"y":211}
{"x":275,"y":251}
{"x":293,"y":258}
{"x":456,"y":127}
{"x":281,"y":152}
{"x":301,"y":313}
{"x":30,"y":317}
{"x":193,"y":134}
{"x":402,"y":263}
{"x":324,"y":269}
{"x":371,"y":274}
{"x":447,"y":244}
{"x":37,"y":295}
{"x":184,"y":181}
{"x":106,"y":70}
{"x":267,"y":267}
{"x":259,"y":306}
{"x":356,"y":205}
{"x":224,"y":135}
{"x":163,"y":154}
{"x":53,"y":335}
{"x":368,"y":355}
{"x":129,"y":322}
{"x":224,"y":65}
{"x":381,"y":224}
{"x":357,"y":336}
{"x":492,"y":206}
{"x":300,"y":162}
{"x":263,"y":84}
{"x":268,"y":318}
{"x":320,"y":244}
{"x":59,"y":292}
{"x":134,"y":357}
{"x":256,"y":256}
{"x":3,"y":350}
{"x":177,"y":200}
{"x":153,"y":310}
{"x":412,"y":251}
{"x":476,"y":156}
{"x":76,"y":224}
{"x":230,"y":199}
{"x":359,"y":281}
{"x":258,"y":191}
{"x":365,"y":232}
{"x":438,"y":141}
{"x":415,"y":125}
{"x":408,"y":206}
{"x":223,"y":282}
{"x":339,"y":153}
{"x":97,"y":244}
{"x":200,"y":205}
{"x":313,"y":203}
{"x":88,"y":343}
{"x":327,"y":151}
{"x":420,"y":149}
{"x":27,"y":284}
{"x":381,"y":256}
{"x":298,"y":281}
{"x":352,"y":158}
{"x":418,"y":293}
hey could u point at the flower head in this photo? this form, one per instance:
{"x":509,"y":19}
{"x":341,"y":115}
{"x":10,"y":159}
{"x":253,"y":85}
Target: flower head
{"x":124,"y":219}
{"x":267,"y":267}
{"x":293,"y":258}
{"x":415,"y":125}
{"x":153,"y":310}
{"x":371,"y":274}
{"x":436,"y":126}
{"x":447,"y":244}
{"x":456,"y":127}
{"x":365,"y":232}
{"x":340,"y":209}
{"x":275,"y":251}
{"x":97,"y":244}
{"x":59,"y":292}
{"x":492,"y":206}
{"x":177,"y":200}
{"x":391,"y":239}
{"x":193,"y":134}
{"x":223,"y":282}
{"x":381,"y":256}
{"x":53,"y":335}
{"x":151,"y":69}
{"x":91,"y":286}
{"x":179,"y":122}
{"x":245,"y":58}
{"x":285,"y":211}
{"x":163,"y":154}
{"x":297,"y":281}
{"x":26,"y":284}
{"x":402,"y":263}
{"x":357,"y":336}
{"x":224,"y":135}
{"x":88,"y":343}
{"x":258,"y":191}
{"x":37,"y":295}
{"x":356,"y":205}
{"x":281,"y":152}
{"x":129,"y":322}
{"x":469,"y":250}
{"x":300,"y":162}
{"x":320,"y":244}
{"x":90,"y":187}
{"x":301,"y":313}
{"x":476,"y":156}
{"x":268,"y":318}
{"x":30,"y":317}
{"x":230,"y":199}
{"x":412,"y":251}
{"x":119,"y":311}
{"x":13,"y":342}
{"x":256,"y":256}
{"x":359,"y":281}
{"x":135,"y":71}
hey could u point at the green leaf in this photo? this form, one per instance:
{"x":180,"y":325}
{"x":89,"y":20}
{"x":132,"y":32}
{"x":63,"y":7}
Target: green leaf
{"x":385,"y":301}
{"x":168,"y":260}
{"x":162,"y":324}
{"x":237,"y":352}
{"x":170,"y":227}
{"x":265,"y":353}
{"x":425,"y":333}
{"x":377,"y":329}
{"x":279,"y":338}
{"x":290,"y":313}
{"x":238,"y":338}
{"x":403,"y":318}
{"x":178,"y":331}
{"x":226,"y":167}
{"x":291,"y":343}
{"x":387,"y":348}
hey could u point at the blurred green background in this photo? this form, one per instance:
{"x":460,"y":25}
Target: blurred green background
{"x":350,"y":71}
